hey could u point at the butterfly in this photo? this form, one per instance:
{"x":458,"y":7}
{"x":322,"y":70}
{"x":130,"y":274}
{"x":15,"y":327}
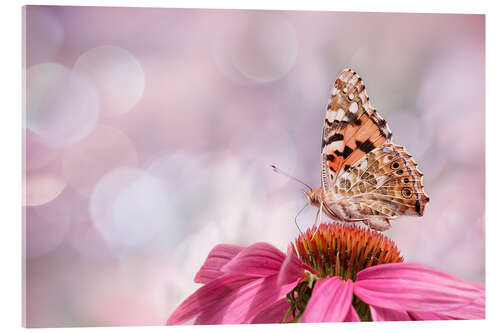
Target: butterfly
{"x":364,"y":176}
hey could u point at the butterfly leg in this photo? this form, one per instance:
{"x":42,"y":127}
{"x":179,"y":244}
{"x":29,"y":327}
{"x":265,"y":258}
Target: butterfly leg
{"x":377,"y":223}
{"x":318,"y":217}
{"x":320,"y":211}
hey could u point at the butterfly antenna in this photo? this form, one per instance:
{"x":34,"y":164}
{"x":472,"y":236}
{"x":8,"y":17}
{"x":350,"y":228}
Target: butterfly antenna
{"x":278,"y":170}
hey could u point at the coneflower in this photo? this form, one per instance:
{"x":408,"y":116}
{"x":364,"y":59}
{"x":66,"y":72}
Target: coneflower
{"x":333,"y":272}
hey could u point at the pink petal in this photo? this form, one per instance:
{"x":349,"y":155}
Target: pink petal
{"x":428,"y":316}
{"x":330,"y":301}
{"x":352,"y":315}
{"x":413,"y":287}
{"x":292,"y":268}
{"x":245,"y":303}
{"x":274,"y":313}
{"x":474,"y":310}
{"x":219,"y":256}
{"x":381,"y":314}
{"x":259,"y":260}
{"x":207,"y":296}
{"x":478,"y":286}
{"x":410,"y":271}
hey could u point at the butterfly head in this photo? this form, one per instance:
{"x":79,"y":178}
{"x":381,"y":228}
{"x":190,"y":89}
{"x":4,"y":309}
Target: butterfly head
{"x":314,"y":196}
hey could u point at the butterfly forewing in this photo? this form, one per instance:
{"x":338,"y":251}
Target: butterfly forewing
{"x":352,"y":127}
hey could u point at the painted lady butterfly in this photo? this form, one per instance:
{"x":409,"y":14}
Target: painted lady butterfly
{"x":364,"y":176}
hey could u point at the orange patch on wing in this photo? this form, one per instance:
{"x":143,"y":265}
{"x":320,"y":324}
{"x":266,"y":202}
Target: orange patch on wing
{"x":335,"y":164}
{"x":366,"y":130}
{"x":360,"y":132}
{"x":356,"y":155}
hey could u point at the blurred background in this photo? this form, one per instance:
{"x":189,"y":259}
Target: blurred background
{"x":149,"y":134}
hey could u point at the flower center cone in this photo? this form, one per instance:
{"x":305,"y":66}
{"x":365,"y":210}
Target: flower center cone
{"x":338,"y":249}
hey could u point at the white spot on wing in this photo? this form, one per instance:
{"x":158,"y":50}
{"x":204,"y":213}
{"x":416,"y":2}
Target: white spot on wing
{"x":353,"y":108}
{"x":340,"y":114}
{"x":363,"y":164}
{"x":336,"y":145}
{"x":351,"y":96}
{"x":330,"y":115}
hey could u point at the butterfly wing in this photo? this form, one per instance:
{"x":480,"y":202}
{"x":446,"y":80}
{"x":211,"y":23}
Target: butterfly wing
{"x":385,"y":183}
{"x":352,"y":128}
{"x":364,"y":176}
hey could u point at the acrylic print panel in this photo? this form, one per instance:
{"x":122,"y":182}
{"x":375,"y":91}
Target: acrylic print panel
{"x":149,"y":198}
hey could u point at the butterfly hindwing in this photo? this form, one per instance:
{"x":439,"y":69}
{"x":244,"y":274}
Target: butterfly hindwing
{"x":385,"y":182}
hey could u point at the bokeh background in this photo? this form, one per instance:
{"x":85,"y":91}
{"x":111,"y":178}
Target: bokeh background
{"x":149,"y":133}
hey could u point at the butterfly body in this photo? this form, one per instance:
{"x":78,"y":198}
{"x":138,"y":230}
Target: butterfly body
{"x":364,"y":176}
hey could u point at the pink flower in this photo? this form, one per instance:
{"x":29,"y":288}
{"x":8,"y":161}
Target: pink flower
{"x":335,"y":272}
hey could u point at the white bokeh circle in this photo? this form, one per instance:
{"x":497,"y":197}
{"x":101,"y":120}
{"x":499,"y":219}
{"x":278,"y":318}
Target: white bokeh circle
{"x":41,"y":187}
{"x":62,"y":106}
{"x":128,"y":207}
{"x":117,"y":74}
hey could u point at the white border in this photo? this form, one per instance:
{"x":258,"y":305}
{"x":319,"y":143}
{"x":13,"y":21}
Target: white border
{"x":422,"y":6}
{"x":10,"y":140}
